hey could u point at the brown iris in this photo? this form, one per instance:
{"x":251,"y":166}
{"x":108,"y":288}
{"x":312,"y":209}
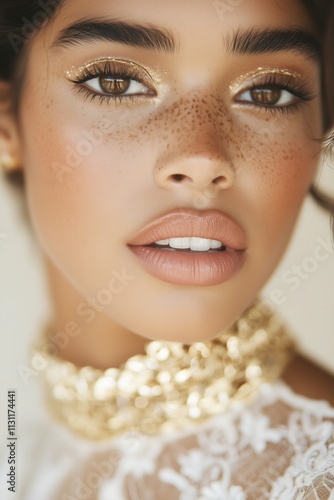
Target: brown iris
{"x":266,"y":96}
{"x":114,"y":85}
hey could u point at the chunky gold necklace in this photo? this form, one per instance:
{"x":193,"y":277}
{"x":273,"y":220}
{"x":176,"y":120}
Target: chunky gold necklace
{"x":171,"y":386}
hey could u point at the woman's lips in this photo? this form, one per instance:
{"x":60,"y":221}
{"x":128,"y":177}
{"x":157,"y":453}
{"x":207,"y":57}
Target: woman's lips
{"x":182,"y":267}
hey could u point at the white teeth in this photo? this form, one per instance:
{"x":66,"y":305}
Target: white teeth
{"x":200,"y":244}
{"x":181,"y":243}
{"x":195,"y":243}
{"x":216,"y":244}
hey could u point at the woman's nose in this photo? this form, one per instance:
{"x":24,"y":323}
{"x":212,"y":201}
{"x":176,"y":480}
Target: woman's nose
{"x":197,"y":170}
{"x":197,"y":155}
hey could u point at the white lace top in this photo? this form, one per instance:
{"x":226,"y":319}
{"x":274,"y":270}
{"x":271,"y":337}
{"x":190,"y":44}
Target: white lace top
{"x":279,"y":447}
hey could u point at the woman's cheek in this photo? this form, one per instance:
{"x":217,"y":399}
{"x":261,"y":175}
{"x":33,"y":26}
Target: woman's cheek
{"x":61,"y":167}
{"x":281,"y":160}
{"x":78,"y":188}
{"x":274,"y":175}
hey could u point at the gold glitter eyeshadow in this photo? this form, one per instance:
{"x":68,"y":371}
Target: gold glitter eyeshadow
{"x":145,"y":73}
{"x":252,"y":75}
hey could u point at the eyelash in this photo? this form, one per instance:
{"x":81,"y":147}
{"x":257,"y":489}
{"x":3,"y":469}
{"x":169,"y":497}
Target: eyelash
{"x":114,"y":70}
{"x":281,"y":82}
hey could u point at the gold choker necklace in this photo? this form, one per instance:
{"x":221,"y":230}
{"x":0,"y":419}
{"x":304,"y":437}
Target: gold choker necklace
{"x":171,"y":386}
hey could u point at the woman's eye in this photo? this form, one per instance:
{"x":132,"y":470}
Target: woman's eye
{"x":112,"y":86}
{"x":267,"y":96}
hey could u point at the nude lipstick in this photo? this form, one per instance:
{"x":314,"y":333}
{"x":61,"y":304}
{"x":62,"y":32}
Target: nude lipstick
{"x":187,"y":247}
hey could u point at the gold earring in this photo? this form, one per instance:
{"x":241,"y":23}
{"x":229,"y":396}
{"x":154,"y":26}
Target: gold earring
{"x":7,"y":162}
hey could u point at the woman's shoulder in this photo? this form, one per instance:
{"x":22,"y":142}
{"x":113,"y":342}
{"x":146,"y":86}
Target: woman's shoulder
{"x":307,"y":379}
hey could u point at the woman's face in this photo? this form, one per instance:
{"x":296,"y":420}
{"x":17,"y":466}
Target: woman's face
{"x":213,"y":117}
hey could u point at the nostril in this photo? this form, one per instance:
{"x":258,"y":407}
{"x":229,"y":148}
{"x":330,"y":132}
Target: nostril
{"x":219,"y":179}
{"x":178,"y":177}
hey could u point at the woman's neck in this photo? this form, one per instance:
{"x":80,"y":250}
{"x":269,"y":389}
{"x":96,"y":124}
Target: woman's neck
{"x":103,"y":344}
{"x":83,"y":338}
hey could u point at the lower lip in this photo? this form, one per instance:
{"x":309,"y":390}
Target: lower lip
{"x":190,"y":268}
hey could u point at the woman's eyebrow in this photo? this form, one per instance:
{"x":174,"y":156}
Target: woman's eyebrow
{"x":252,"y":41}
{"x":135,"y":35}
{"x":273,"y":40}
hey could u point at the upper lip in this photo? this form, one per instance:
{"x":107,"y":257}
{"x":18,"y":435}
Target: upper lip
{"x":180,"y":223}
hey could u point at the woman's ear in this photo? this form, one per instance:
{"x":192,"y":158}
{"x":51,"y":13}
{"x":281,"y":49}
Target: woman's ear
{"x":10,"y":145}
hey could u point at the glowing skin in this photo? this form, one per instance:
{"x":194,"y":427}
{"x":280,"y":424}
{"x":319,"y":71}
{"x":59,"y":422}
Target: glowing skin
{"x":97,"y":172}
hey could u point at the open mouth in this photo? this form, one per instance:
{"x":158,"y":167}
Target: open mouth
{"x":185,"y":247}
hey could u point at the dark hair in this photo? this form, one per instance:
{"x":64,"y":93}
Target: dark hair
{"x":19,"y":20}
{"x":329,"y":58}
{"x":328,"y":78}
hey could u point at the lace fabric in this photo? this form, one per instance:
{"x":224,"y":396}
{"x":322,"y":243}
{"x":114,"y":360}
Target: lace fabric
{"x":281,"y":446}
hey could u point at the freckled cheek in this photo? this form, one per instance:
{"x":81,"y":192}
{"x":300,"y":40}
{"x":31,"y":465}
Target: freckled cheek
{"x":80,"y":176}
{"x":284,"y":174}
